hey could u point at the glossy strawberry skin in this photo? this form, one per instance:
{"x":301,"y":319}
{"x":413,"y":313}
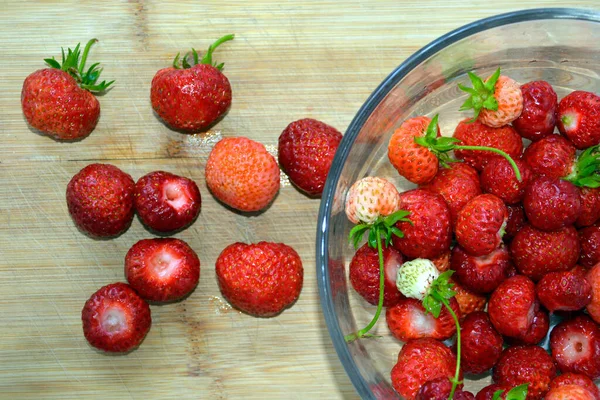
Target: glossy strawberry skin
{"x":190,"y":100}
{"x":575,"y":346}
{"x":552,"y":156}
{"x":305,"y":153}
{"x":540,"y":105}
{"x":100,"y":200}
{"x":551,"y":203}
{"x":590,"y":207}
{"x":536,"y":332}
{"x":579,"y":118}
{"x":516,"y":220}
{"x":54,"y":104}
{"x":589,"y":238}
{"x":570,"y":378}
{"x":593,"y":278}
{"x":439,"y":389}
{"x":499,"y":179}
{"x":117,"y":301}
{"x":564,"y":291}
{"x":364,"y":274}
{"x":260,"y":279}
{"x":570,"y":392}
{"x":162,"y":269}
{"x":487,"y":393}
{"x":478,"y":134}
{"x":430,"y":233}
{"x":481,"y":344}
{"x":167,"y":202}
{"x":513,"y":305}
{"x":480,"y":274}
{"x":479,"y":223}
{"x":536,"y":253}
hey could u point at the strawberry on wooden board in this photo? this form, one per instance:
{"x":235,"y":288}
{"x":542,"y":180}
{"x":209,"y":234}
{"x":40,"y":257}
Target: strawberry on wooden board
{"x":439,"y":389}
{"x":570,"y":378}
{"x":564,"y":291}
{"x":242,"y":174}
{"x":551,"y":203}
{"x":115,"y":318}
{"x":552,"y":156}
{"x":164,"y":269}
{"x":513,"y":305}
{"x":370,"y":198}
{"x":100,"y":200}
{"x":575,"y":346}
{"x":481,"y":343}
{"x":166,"y":202}
{"x":593,"y":277}
{"x":538,"y":118}
{"x":305,"y":153}
{"x":260,"y":279}
{"x":58,"y":101}
{"x":579,"y":118}
{"x":589,"y":239}
{"x":193,"y":95}
{"x":481,"y":274}
{"x":498,"y":178}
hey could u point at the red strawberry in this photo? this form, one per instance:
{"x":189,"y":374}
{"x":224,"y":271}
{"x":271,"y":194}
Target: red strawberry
{"x":481,"y":344}
{"x":260,"y":279}
{"x":590,"y":206}
{"x":513,"y":305}
{"x":468,"y":301}
{"x":457,"y":184}
{"x":442,"y":262}
{"x":487,"y":393}
{"x":480,"y":274}
{"x":516,"y":220}
{"x":478,"y":134}
{"x":242,"y":174}
{"x":525,"y":364}
{"x":408,"y":320}
{"x":539,"y":111}
{"x":439,"y":389}
{"x":575,"y":345}
{"x":579,"y":118}
{"x":589,"y":238}
{"x":536,"y":332}
{"x":498,"y":178}
{"x":497,"y":101}
{"x":115,"y":318}
{"x":536,"y":253}
{"x":371,"y":198}
{"x":162,"y":269}
{"x":166,"y":202}
{"x":551,"y":203}
{"x":419,"y":361}
{"x":58,"y":100}
{"x":429,"y":233}
{"x":100,"y":200}
{"x":480,"y":223}
{"x":306,"y":150}
{"x":364,"y":274}
{"x":564,"y":291}
{"x":593,"y":277}
{"x":570,"y":392}
{"x":191,"y":98}
{"x":552,"y":156}
{"x":570,"y":378}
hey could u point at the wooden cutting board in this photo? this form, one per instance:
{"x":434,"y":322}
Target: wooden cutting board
{"x":289,"y":60}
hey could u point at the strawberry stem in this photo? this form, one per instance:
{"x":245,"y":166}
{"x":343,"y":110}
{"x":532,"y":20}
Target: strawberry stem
{"x":587,"y":168}
{"x":456,"y":380}
{"x":206,"y":59}
{"x":494,"y":150}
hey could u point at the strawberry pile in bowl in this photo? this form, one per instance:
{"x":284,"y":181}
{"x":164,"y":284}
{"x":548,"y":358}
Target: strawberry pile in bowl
{"x":458,"y":235}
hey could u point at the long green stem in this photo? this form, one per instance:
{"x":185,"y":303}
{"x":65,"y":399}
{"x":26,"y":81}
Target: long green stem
{"x":494,"y":150}
{"x":85,"y":55}
{"x":207,"y":59}
{"x":456,"y":380}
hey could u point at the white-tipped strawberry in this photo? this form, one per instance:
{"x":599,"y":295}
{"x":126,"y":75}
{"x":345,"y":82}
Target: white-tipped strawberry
{"x":371,"y":198}
{"x":415,"y":278}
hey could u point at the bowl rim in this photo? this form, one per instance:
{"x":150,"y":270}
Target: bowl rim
{"x":356,"y":125}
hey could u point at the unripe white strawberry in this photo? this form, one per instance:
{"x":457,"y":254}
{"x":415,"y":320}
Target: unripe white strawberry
{"x":415,"y":278}
{"x":370,"y":198}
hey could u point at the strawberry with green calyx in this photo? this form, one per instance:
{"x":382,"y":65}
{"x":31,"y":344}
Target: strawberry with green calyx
{"x":586,"y":169}
{"x":516,"y":393}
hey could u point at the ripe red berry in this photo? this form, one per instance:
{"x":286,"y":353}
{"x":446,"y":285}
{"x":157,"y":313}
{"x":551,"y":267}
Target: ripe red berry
{"x":540,"y":105}
{"x":579,"y":118}
{"x":479,"y":224}
{"x":551,"y":203}
{"x":575,"y":345}
{"x":481,"y":344}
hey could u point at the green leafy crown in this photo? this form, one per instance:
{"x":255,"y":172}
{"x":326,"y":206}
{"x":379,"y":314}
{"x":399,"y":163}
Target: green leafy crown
{"x":184,"y":63}
{"x":481,"y":94}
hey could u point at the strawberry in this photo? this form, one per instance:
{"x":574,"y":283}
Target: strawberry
{"x":166,"y":202}
{"x":442,"y":262}
{"x":480,"y":274}
{"x":575,"y":346}
{"x":439,"y":389}
{"x":457,"y":184}
{"x":590,"y":206}
{"x":540,"y":105}
{"x":163,"y":269}
{"x":100,"y":200}
{"x":306,"y":150}
{"x":408,"y":320}
{"x":428,"y":233}
{"x":364,"y":274}
{"x":593,"y":277}
{"x":589,"y":239}
{"x":570,"y":378}
{"x":467,"y":300}
{"x":536,"y":332}
{"x":552,"y":156}
{"x":570,"y":392}
{"x":481,"y":343}
{"x":487,"y":393}
{"x":480,"y":224}
{"x":551,"y":203}
{"x":58,"y":101}
{"x":579,"y":118}
{"x":260,"y":279}
{"x":115,"y":318}
{"x":371,"y":198}
{"x":516,"y":220}
{"x":191,"y":98}
{"x":497,"y":102}
{"x":419,"y":361}
{"x":242,"y":174}
{"x":525,"y":364}
{"x":477,"y":134}
{"x":498,"y":178}
{"x":564,"y":291}
{"x":513,"y":305}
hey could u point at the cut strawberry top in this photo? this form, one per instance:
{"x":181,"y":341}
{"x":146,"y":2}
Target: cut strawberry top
{"x":114,"y":318}
{"x":163,"y":262}
{"x":177,"y":195}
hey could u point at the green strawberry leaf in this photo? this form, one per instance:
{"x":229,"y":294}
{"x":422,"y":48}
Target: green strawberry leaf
{"x":516,"y":393}
{"x":481,"y":95}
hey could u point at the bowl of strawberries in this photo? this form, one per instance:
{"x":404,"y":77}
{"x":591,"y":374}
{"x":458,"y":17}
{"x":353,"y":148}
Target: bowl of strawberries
{"x":458,"y":241}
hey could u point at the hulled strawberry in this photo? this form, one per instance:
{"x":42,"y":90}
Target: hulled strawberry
{"x":575,"y":345}
{"x":570,"y":378}
{"x":536,"y":332}
{"x":115,"y":318}
{"x":579,"y":118}
{"x":100,"y":200}
{"x":589,"y":239}
{"x":551,"y":203}
{"x":480,"y":224}
{"x":481,"y":343}
{"x":305,"y":152}
{"x":166,"y":202}
{"x":58,"y":101}
{"x":370,"y":198}
{"x":540,"y":105}
{"x":481,"y":274}
{"x":163,"y":269}
{"x":192,"y":95}
{"x":439,"y":389}
{"x":498,"y":178}
{"x":513,"y":305}
{"x":564,"y":291}
{"x":593,"y":277}
{"x":260,"y":279}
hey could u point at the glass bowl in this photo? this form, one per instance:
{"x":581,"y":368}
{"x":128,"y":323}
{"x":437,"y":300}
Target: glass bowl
{"x":561,"y":46}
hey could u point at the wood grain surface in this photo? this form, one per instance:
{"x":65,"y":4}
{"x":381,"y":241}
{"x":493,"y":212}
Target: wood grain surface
{"x":289,"y":60}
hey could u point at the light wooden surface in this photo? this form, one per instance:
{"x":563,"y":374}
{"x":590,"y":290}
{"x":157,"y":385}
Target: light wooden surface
{"x":289,"y":60}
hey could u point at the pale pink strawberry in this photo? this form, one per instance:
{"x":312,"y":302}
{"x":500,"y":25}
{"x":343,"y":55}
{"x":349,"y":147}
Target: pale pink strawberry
{"x":370,"y":198}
